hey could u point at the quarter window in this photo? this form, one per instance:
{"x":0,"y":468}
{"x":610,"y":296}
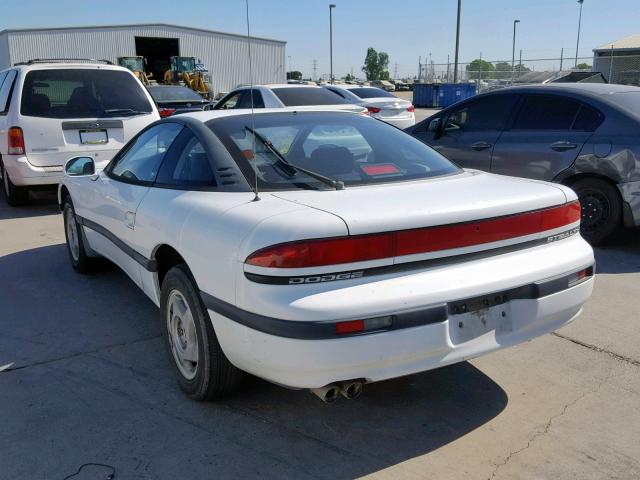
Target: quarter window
{"x":488,"y":113}
{"x":547,"y":112}
{"x":229,"y":102}
{"x":141,"y":161}
{"x":5,"y":89}
{"x":188,"y":167}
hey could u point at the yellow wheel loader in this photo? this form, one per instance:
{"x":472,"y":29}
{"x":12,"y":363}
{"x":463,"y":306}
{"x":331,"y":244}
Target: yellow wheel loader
{"x":137,"y":66}
{"x":186,"y":70}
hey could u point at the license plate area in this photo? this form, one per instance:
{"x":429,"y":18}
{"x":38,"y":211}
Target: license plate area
{"x":474,"y":317}
{"x":97,"y":136}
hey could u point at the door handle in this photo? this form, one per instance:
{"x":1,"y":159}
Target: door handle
{"x":479,"y":146}
{"x":563,"y":146}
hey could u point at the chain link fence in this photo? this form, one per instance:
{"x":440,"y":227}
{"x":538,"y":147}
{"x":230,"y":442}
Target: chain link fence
{"x":611,"y":67}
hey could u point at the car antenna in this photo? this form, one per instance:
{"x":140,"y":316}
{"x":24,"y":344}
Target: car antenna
{"x":253,"y":123}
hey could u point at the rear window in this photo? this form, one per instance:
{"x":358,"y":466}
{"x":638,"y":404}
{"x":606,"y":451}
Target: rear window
{"x":301,"y":96}
{"x":170,"y":94}
{"x":371,"y":92}
{"x":353,"y":149}
{"x":82,"y":93}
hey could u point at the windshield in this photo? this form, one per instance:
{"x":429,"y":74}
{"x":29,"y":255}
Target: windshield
{"x":301,"y":96}
{"x":172,"y":94}
{"x":82,"y":93}
{"x":371,"y":92}
{"x":348,"y":148}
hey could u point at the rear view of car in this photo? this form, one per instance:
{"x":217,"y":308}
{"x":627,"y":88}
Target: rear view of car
{"x":173,"y":99}
{"x":57,"y":110}
{"x":379,"y":103}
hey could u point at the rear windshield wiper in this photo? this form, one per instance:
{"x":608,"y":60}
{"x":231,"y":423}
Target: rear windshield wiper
{"x":123,"y":111}
{"x":337,"y":184}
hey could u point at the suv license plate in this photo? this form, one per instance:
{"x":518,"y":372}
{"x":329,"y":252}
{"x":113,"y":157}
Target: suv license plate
{"x":93,"y":137}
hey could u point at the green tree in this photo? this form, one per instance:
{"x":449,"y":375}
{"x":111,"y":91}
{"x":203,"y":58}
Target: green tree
{"x":376,"y":65}
{"x":480,"y":69}
{"x":583,"y":66}
{"x":294,"y":75}
{"x":349,"y":78}
{"x":502,"y":71}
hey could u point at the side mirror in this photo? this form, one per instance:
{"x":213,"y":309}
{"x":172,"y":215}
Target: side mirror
{"x":435,"y":125}
{"x":80,"y":166}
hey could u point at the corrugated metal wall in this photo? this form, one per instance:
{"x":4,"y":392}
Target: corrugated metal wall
{"x":224,"y":55}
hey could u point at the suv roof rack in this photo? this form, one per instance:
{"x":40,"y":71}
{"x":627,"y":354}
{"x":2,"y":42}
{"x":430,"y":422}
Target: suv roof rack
{"x":63,"y":60}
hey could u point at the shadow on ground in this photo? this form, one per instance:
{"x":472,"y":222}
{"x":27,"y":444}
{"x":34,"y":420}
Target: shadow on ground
{"x":621,"y":254}
{"x":91,"y":382}
{"x":41,"y":203}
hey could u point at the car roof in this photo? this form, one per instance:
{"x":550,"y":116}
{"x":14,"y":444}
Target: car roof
{"x":286,"y":85}
{"x":206,"y":115}
{"x":69,"y":65}
{"x":589,"y":89}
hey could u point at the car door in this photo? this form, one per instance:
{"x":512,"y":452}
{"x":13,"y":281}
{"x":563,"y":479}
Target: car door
{"x":546,"y":136}
{"x":469,"y":131}
{"x":109,"y":208}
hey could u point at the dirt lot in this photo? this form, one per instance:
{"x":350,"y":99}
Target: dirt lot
{"x":89,"y":381}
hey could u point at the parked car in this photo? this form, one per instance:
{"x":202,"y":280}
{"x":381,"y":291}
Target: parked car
{"x":175,"y":99}
{"x":273,"y":248}
{"x":581,"y":135}
{"x":300,"y":97}
{"x":53,"y":110}
{"x":383,"y":84}
{"x":379,"y":103}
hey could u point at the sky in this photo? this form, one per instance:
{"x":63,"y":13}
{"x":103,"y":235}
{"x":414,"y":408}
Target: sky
{"x":405,"y":30}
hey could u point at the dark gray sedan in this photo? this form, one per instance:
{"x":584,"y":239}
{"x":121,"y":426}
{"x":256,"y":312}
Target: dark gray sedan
{"x":586,"y":136}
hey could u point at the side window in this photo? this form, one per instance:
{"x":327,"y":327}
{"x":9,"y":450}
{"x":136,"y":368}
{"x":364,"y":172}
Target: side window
{"x":5,"y":89}
{"x":546,"y":112}
{"x":229,"y":102}
{"x":487,"y":113}
{"x":142,"y":159}
{"x":245,"y":102}
{"x":588,"y":119}
{"x":186,"y":165}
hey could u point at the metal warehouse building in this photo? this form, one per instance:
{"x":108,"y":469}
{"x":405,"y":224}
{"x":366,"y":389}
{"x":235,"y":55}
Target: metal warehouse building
{"x":225,"y":55}
{"x":619,"y":61}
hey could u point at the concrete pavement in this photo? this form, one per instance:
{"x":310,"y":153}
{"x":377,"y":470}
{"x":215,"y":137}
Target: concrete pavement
{"x":90,"y":382}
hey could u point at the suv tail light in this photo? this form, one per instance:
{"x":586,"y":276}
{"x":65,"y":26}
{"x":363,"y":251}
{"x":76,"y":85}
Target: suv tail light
{"x":373,"y":109}
{"x":166,"y":112}
{"x":359,"y":248}
{"x":411,"y":108}
{"x":16,"y":141}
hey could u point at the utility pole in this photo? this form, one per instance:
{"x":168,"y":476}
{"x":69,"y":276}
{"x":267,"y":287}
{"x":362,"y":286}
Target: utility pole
{"x":520,"y":64}
{"x":561,"y":57}
{"x":419,"y":68}
{"x":331,"y":7}
{"x":578,"y":40}
{"x":447,"y":68}
{"x":315,"y":69}
{"x":455,"y":65}
{"x":513,"y":51}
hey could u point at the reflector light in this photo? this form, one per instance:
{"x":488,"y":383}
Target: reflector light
{"x":333,"y":251}
{"x":351,"y":326}
{"x":380,"y":169}
{"x":580,"y":276}
{"x":411,"y":108}
{"x":166,"y":112}
{"x":15,"y":141}
{"x":373,"y":109}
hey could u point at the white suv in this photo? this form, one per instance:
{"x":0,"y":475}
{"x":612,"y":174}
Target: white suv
{"x":53,"y":110}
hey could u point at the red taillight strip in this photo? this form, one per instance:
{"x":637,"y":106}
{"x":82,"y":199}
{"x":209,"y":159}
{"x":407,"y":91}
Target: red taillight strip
{"x":333,"y":251}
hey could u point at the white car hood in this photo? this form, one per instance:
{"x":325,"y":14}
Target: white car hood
{"x":463,"y":197}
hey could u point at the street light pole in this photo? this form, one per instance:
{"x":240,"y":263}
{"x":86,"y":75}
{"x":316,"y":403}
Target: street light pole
{"x":455,"y":65}
{"x":513,"y":51}
{"x":578,"y":40}
{"x":331,"y":7}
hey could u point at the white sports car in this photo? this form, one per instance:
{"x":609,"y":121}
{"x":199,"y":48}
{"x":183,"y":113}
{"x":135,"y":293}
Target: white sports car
{"x":364,"y":256}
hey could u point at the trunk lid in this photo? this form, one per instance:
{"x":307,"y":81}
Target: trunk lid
{"x":389,"y":107}
{"x":471,"y":195}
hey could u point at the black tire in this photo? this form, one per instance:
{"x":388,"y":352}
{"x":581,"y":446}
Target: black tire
{"x":80,"y":261}
{"x":601,"y":208}
{"x":214,"y":376}
{"x":15,"y":196}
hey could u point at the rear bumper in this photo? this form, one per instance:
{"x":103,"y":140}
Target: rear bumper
{"x":25,"y":174}
{"x":380,"y":356}
{"x":630,"y":193}
{"x":401,"y":123}
{"x":440,"y":334}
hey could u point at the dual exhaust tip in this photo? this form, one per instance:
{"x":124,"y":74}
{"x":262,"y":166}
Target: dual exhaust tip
{"x":349,"y":389}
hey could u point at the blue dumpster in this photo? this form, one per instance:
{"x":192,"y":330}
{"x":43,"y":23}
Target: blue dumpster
{"x":425,"y":95}
{"x":450,"y":93}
